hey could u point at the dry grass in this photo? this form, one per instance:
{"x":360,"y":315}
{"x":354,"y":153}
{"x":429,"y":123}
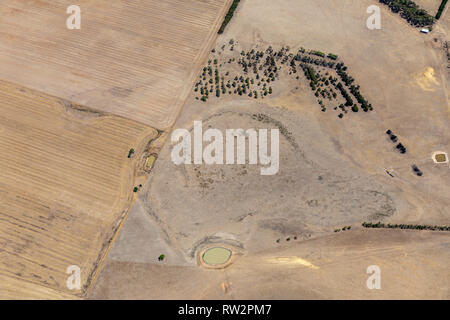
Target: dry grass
{"x":130,"y":58}
{"x":65,"y":183}
{"x":431,"y":6}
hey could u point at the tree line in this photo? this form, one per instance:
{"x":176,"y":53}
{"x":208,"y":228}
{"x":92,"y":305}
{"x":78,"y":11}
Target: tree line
{"x":229,"y":15}
{"x":441,"y":9}
{"x":405,"y":226}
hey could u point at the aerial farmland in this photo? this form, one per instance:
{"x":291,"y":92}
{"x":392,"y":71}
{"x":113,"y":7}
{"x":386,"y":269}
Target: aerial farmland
{"x":360,"y":114}
{"x":130,"y":58}
{"x":133,"y":150}
{"x":80,"y":114}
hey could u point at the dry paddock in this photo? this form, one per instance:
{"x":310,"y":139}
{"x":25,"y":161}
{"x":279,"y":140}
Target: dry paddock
{"x":65,"y":182}
{"x":135,"y":59}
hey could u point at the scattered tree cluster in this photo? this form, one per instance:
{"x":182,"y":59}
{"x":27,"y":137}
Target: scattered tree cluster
{"x":330,"y":82}
{"x":416,"y":170}
{"x":405,"y":226}
{"x":343,"y":229}
{"x":392,"y":136}
{"x":259,"y":68}
{"x":411,"y":12}
{"x":137,"y":188}
{"x":287,"y":239}
{"x":394,"y":139}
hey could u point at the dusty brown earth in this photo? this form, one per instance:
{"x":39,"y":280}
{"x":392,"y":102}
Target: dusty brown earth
{"x":65,"y":183}
{"x":131,"y":58}
{"x":413,"y":266}
{"x":68,"y":101}
{"x":431,"y":6}
{"x":332,"y":174}
{"x":69,"y":184}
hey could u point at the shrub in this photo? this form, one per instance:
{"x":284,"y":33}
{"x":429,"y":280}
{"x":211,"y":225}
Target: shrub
{"x":332,"y":56}
{"x":317,"y":53}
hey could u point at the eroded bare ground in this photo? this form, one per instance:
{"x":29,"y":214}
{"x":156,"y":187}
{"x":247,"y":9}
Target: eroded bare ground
{"x":332,"y":173}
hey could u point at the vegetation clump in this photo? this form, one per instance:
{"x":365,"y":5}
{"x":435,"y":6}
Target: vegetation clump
{"x":416,"y":170}
{"x":259,"y":68}
{"x":343,"y":229}
{"x":394,"y":139}
{"x":332,"y":56}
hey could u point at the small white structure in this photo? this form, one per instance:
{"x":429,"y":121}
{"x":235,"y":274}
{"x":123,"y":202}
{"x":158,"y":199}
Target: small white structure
{"x":425,"y":30}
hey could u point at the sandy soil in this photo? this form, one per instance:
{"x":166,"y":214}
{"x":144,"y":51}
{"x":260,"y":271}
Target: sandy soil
{"x":332,"y":174}
{"x":413,"y":266}
{"x":431,"y":6}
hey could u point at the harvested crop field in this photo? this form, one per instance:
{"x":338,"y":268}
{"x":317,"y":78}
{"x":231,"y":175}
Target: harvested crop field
{"x":66,"y":182}
{"x":130,"y":58}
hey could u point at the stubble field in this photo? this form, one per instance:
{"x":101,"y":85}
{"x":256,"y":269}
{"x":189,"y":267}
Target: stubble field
{"x":131,"y":58}
{"x":65,"y":184}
